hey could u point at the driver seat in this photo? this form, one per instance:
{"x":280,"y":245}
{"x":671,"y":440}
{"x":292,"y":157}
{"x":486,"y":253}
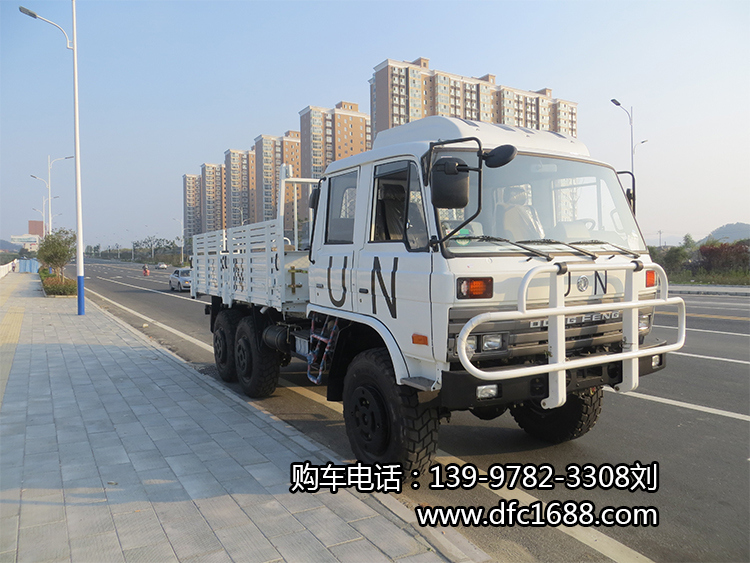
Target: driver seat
{"x":517,"y":220}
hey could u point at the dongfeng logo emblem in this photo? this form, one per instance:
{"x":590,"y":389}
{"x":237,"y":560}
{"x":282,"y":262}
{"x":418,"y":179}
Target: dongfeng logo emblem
{"x":582,"y":284}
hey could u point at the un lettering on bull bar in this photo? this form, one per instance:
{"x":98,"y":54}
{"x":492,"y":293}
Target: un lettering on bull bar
{"x":556,"y":313}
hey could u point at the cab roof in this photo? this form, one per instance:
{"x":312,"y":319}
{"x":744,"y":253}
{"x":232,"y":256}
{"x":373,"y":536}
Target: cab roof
{"x":414,"y":138}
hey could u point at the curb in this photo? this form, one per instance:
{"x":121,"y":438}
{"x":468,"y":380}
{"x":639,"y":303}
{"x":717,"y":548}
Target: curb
{"x":739,"y":293}
{"x":449,"y":544}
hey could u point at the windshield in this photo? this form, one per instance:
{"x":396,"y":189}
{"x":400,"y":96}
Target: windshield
{"x":185,"y":274}
{"x":542,"y":199}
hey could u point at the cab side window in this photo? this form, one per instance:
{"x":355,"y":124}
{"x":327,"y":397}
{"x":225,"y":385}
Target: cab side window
{"x":398,"y":213}
{"x":342,"y":199}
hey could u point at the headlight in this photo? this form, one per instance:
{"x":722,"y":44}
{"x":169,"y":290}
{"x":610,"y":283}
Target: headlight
{"x":492,"y":342}
{"x":471,"y":345}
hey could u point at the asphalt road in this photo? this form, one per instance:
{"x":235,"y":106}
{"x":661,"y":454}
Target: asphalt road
{"x":699,"y":436}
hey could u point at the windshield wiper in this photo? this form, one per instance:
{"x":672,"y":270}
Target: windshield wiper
{"x":620,"y":248}
{"x":487,"y":238}
{"x":553,"y":241}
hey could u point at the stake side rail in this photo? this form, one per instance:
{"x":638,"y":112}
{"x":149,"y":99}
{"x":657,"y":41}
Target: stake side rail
{"x":556,"y":314}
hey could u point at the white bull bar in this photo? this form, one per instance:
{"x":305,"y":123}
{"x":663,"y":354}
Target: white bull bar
{"x":556,"y":313}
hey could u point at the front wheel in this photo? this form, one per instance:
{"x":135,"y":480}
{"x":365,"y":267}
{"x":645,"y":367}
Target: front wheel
{"x":570,"y":421}
{"x":225,"y":327}
{"x":258,"y":366}
{"x":384,"y":421}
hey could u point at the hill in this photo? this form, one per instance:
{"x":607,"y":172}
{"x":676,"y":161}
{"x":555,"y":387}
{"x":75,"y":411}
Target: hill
{"x":5,"y":245}
{"x":729,"y":233}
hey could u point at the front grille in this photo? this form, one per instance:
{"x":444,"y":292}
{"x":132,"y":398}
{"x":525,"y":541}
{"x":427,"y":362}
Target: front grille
{"x":527,"y":338}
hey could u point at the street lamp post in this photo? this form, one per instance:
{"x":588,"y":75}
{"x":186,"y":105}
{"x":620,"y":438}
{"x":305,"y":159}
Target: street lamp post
{"x":182,"y":240}
{"x":630,"y":119}
{"x":47,"y":229}
{"x":73,"y":46}
{"x":43,"y":215}
{"x":48,"y":183}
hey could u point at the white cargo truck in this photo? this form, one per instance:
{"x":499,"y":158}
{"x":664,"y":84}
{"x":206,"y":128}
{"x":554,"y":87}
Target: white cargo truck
{"x":455,"y":266}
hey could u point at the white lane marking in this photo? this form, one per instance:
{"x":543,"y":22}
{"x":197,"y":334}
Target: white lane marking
{"x":704,"y":330}
{"x":683,"y":405}
{"x":713,"y":358}
{"x":182,"y":335}
{"x":151,"y":290}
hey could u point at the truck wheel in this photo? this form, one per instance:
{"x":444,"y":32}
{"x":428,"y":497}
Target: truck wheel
{"x":572,"y":420}
{"x":384,"y":421}
{"x":257,"y":364}
{"x":224,"y":328}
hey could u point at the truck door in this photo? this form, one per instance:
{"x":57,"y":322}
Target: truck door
{"x":394,"y":267}
{"x":331,"y":274}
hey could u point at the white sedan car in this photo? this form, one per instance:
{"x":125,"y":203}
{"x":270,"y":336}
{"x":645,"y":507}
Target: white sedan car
{"x":180,"y":280}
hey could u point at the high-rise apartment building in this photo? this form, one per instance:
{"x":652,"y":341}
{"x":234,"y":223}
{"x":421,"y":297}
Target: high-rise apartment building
{"x":239,"y":188}
{"x":270,"y":153}
{"x":191,"y":209}
{"x":331,"y":134}
{"x":212,"y":197}
{"x":402,"y":91}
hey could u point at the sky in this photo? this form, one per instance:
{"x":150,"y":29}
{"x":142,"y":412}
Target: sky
{"x":165,"y":86}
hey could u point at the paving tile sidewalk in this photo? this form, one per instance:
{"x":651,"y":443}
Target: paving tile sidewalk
{"x":112,"y":449}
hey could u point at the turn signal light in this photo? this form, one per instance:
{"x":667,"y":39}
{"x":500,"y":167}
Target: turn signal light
{"x":474,"y":288}
{"x":650,"y":278}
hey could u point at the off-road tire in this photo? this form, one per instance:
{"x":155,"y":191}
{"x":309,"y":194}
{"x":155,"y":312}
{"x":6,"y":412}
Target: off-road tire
{"x":225,"y":328}
{"x":258,"y":366}
{"x":572,"y":420}
{"x":384,"y":421}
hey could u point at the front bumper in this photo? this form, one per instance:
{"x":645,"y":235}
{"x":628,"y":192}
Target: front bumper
{"x":459,"y":390}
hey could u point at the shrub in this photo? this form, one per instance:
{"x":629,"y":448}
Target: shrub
{"x":56,"y":286}
{"x":725,"y":257}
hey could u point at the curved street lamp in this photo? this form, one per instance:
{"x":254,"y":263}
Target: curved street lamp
{"x":630,"y":119}
{"x":48,"y":183}
{"x":73,"y":46}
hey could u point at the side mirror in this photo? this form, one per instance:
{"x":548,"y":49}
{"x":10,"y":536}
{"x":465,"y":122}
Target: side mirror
{"x":500,"y":156}
{"x":450,"y":183}
{"x":314,"y":197}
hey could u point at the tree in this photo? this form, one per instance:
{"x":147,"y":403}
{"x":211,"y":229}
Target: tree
{"x":57,"y":249}
{"x":674,"y":259}
{"x":688,"y":243}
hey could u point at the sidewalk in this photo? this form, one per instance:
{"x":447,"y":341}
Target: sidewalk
{"x":114,"y":450}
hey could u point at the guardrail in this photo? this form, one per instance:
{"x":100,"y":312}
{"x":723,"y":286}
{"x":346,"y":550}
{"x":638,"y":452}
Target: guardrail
{"x":5,"y":269}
